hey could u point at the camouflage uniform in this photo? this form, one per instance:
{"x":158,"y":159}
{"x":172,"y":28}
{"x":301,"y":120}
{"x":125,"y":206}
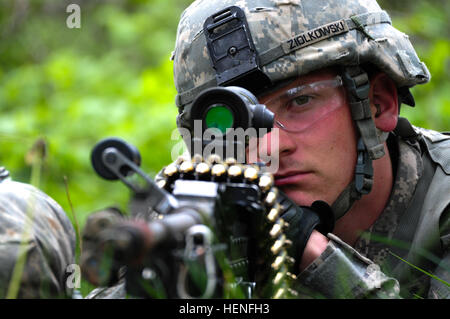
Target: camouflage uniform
{"x":34,"y":233}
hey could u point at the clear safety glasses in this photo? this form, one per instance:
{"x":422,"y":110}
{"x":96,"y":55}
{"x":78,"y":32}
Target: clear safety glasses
{"x":299,"y":107}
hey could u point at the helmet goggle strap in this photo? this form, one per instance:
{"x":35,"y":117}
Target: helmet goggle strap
{"x":369,"y":145}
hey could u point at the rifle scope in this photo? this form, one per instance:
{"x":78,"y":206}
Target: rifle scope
{"x":224,"y":108}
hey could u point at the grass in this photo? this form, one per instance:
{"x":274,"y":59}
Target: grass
{"x":421,"y":270}
{"x":16,"y":278}
{"x":76,"y":225}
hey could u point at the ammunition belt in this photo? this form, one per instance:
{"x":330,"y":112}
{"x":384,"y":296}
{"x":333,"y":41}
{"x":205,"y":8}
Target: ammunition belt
{"x":276,"y":277}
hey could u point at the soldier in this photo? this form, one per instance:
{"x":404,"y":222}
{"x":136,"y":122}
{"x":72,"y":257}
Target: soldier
{"x":335,"y":73}
{"x":37,"y":243}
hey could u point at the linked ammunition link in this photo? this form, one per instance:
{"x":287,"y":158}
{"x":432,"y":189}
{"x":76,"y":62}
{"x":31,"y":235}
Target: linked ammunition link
{"x":276,"y":277}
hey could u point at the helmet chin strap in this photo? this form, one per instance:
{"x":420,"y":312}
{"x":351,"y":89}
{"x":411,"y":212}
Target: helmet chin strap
{"x":370,"y":145}
{"x":361,"y":184}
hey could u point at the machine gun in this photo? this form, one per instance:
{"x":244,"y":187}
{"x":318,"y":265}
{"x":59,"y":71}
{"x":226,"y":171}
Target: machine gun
{"x":213,"y":227}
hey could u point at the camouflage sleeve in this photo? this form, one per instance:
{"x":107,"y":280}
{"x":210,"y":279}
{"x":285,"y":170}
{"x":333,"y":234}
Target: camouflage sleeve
{"x":439,"y":286}
{"x":341,"y":272}
{"x":37,"y":243}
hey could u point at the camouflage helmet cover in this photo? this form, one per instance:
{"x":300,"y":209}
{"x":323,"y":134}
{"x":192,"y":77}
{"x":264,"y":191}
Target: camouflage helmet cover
{"x":295,"y":37}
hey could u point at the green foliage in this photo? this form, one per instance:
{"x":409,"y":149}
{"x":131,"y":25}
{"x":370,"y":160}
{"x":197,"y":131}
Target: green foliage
{"x":72,"y":87}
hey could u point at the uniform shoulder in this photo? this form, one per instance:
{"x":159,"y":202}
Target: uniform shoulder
{"x":432,"y":135}
{"x":438,"y":144}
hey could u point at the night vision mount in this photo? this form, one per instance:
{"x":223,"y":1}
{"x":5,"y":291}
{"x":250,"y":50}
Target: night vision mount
{"x":232,"y":50}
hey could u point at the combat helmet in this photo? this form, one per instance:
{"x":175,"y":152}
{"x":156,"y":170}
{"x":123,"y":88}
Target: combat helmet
{"x":294,"y":37}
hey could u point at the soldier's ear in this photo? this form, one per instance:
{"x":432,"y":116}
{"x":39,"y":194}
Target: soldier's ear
{"x":384,"y":102}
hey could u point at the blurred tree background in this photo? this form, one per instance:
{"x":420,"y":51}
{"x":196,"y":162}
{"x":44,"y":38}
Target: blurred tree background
{"x":65,"y":89}
{"x":68,"y":88}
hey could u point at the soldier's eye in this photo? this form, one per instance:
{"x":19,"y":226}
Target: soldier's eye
{"x":301,"y":100}
{"x":299,"y":103}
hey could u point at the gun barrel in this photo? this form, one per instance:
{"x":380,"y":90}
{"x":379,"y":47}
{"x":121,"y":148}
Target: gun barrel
{"x":131,"y":241}
{"x":173,"y":225}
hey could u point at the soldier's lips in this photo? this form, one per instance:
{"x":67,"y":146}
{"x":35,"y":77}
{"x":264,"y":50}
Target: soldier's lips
{"x":291,"y":178}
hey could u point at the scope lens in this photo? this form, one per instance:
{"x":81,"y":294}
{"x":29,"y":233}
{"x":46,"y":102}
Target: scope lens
{"x":219,"y":117}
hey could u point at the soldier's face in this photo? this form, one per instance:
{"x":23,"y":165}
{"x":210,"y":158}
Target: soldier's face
{"x":317,"y":159}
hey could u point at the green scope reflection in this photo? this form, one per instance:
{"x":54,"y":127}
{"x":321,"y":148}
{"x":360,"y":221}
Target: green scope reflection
{"x":220,"y":117}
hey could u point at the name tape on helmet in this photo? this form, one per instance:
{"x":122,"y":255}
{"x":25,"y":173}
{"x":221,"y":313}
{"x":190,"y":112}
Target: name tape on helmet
{"x":318,"y":34}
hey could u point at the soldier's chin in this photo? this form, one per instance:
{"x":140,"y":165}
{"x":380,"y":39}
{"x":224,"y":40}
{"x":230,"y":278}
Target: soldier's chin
{"x":301,"y":198}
